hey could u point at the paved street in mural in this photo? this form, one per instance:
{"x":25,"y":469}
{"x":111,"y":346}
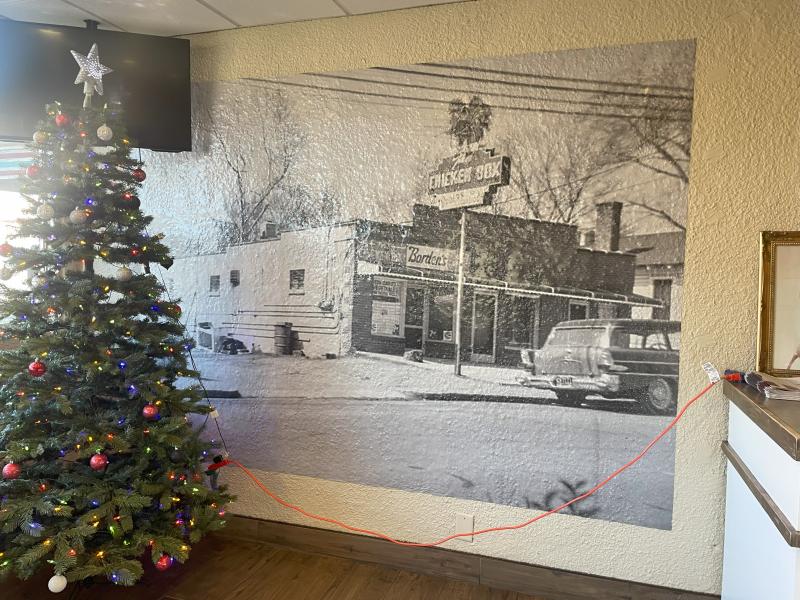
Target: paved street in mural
{"x":376,"y":424}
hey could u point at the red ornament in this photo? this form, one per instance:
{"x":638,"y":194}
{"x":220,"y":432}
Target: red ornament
{"x":98,"y":462}
{"x":127,"y":196}
{"x":150,"y":411}
{"x":135,"y":251}
{"x":11,"y":471}
{"x":6,"y":249}
{"x":37,"y":368}
{"x":139,"y":175}
{"x":164,"y":563}
{"x":62,"y":120}
{"x":32,"y":171}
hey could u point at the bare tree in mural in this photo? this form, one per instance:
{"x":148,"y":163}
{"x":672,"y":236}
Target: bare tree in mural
{"x":556,"y":174}
{"x":559,"y":175}
{"x":658,"y":138}
{"x":261,"y":163}
{"x":296,"y":205}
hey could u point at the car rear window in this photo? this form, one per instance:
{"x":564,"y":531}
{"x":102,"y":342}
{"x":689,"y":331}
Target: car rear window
{"x":576,"y":336}
{"x":651,"y":340}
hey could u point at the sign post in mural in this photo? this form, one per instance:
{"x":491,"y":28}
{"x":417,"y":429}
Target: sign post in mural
{"x":462,"y":181}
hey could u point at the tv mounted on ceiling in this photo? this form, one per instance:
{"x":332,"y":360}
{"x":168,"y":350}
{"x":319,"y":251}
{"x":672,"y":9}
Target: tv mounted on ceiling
{"x":150,"y":79}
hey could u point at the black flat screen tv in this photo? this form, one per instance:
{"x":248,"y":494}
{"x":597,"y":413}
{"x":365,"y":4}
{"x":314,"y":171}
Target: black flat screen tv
{"x":151,"y":80}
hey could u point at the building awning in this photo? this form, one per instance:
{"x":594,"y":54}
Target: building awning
{"x":520,"y":288}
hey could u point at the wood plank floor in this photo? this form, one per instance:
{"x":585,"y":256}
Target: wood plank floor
{"x":226,"y":569}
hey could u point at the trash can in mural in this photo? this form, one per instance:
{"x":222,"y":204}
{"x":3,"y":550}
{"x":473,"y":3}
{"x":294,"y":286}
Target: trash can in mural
{"x":283,"y":339}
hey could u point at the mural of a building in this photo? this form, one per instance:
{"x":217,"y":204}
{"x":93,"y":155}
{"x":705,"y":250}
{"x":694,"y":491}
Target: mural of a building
{"x":378,"y":287}
{"x":659,"y":272}
{"x":317,"y":228}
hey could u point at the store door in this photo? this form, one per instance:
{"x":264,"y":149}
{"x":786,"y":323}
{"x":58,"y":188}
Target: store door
{"x":484,"y":324}
{"x":415,"y":317}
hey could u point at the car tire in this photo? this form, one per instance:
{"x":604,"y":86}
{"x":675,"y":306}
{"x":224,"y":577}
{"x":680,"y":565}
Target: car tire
{"x":570,"y":397}
{"x":659,"y":397}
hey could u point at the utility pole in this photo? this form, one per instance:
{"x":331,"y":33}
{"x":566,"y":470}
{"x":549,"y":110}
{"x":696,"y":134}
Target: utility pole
{"x":469,"y":178}
{"x":460,"y":289}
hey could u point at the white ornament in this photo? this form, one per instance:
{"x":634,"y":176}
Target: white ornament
{"x":104,"y":133}
{"x":78,"y":216}
{"x":45,"y":211}
{"x":57,"y":584}
{"x":91,"y":74}
{"x":38,"y":281}
{"x":124,"y":274}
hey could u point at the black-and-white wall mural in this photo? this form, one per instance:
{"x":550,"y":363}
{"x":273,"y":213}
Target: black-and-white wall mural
{"x":461,"y":279}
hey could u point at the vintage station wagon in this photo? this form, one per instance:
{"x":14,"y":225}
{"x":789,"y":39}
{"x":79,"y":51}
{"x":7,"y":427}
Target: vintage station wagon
{"x":615,"y":358}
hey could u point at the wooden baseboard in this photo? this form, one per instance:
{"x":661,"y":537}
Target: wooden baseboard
{"x":538,"y":581}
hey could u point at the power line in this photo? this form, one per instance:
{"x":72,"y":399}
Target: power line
{"x":540,"y":86}
{"x":407,"y":106}
{"x":501,"y":95}
{"x":445,"y":102}
{"x":646,"y":86}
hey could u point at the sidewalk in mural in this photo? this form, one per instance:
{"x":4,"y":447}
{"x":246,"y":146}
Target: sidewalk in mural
{"x":377,"y":421}
{"x":367,"y":375}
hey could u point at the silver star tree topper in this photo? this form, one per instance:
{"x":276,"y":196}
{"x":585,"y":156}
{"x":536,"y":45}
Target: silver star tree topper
{"x":91,"y":74}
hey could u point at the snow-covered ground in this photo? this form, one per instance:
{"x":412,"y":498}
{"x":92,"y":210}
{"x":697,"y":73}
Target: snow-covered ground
{"x":378,"y":420}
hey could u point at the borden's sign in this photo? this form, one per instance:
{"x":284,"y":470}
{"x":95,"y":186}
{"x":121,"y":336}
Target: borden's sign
{"x":480,"y":171}
{"x":426,"y":257}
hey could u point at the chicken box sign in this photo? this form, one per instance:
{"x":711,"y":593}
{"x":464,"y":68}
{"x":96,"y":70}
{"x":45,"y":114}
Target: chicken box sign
{"x":469,"y":179}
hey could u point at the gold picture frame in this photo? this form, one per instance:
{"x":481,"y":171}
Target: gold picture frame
{"x":779,"y":310}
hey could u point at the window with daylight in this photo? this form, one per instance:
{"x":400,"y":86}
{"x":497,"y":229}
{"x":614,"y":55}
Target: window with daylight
{"x":11,"y":205}
{"x":297,"y":280}
{"x":235,"y":278}
{"x":213,"y":284}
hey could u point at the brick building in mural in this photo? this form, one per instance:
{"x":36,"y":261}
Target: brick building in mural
{"x":380,"y":287}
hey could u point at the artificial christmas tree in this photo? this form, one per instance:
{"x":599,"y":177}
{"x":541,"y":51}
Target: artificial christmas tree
{"x":101,"y":465}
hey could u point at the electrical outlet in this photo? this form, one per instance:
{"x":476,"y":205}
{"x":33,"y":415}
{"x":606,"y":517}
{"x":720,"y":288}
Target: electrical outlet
{"x":465,"y":523}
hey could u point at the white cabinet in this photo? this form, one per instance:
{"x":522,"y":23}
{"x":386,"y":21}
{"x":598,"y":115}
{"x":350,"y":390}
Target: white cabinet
{"x":762,"y":513}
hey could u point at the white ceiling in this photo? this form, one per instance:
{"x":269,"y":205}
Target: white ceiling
{"x":180,"y":17}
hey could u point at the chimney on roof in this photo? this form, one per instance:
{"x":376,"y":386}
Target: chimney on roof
{"x":609,"y":219}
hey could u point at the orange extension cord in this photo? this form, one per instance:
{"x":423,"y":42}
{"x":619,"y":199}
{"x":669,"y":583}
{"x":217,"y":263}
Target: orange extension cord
{"x":388,"y":538}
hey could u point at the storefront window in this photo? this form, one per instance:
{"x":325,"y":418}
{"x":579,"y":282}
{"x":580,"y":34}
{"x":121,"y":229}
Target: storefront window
{"x":578,"y":310}
{"x":440,"y":322}
{"x":518,"y":320}
{"x":415,"y":306}
{"x":386,"y":308}
{"x":415,"y":316}
{"x":606,"y":310}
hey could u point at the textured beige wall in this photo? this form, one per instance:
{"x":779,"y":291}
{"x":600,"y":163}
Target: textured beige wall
{"x":745,"y":178}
